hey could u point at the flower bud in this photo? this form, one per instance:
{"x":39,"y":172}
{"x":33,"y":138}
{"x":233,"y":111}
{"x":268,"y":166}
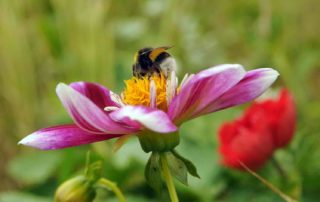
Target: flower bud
{"x":77,"y":189}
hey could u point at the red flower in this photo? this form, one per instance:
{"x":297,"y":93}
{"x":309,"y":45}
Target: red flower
{"x":279,"y":114}
{"x":264,"y":127}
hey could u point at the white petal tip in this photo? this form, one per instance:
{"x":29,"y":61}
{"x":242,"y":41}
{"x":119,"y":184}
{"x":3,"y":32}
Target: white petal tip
{"x":61,"y":84}
{"x":26,"y":140}
{"x":61,"y":87}
{"x":276,"y":73}
{"x":270,"y":73}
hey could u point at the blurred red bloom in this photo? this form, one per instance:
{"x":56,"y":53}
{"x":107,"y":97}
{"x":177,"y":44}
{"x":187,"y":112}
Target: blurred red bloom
{"x":264,"y":127}
{"x":280,"y":116}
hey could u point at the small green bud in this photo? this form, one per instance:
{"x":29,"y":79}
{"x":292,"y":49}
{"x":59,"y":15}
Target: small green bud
{"x":77,"y":189}
{"x":156,"y":142}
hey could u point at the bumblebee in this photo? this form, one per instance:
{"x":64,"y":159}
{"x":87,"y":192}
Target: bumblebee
{"x":148,"y":61}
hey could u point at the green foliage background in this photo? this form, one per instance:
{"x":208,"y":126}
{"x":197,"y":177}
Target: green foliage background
{"x":44,"y":42}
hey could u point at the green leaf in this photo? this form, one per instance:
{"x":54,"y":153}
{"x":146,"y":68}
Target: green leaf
{"x":153,"y":172}
{"x":21,"y":197}
{"x":190,"y":166}
{"x":177,"y":168}
{"x":34,"y":168}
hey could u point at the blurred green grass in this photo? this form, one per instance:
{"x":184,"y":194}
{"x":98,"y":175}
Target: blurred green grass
{"x":44,"y":42}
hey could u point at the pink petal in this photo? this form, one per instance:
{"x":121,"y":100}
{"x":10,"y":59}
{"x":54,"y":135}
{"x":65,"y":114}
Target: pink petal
{"x":58,"y":137}
{"x":87,"y":115}
{"x":153,"y":119}
{"x":97,"y":93}
{"x":202,"y":89}
{"x":250,"y":87}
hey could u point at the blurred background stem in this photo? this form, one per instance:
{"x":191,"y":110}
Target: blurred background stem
{"x":279,"y":169}
{"x":113,"y":187}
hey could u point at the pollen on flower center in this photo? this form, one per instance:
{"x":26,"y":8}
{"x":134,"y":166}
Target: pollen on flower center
{"x":138,"y":91}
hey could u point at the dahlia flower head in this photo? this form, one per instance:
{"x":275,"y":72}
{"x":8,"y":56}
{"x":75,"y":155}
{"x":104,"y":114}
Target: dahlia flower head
{"x":151,"y":108}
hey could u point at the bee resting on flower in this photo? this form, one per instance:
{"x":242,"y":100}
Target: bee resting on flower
{"x":152,"y":105}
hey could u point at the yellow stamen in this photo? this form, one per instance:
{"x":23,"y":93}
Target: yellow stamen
{"x":137,"y":91}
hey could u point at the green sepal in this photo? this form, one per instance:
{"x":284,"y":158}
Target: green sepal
{"x":153,"y":173}
{"x":93,"y":171}
{"x":156,"y":142}
{"x":192,"y":170}
{"x":177,"y":168}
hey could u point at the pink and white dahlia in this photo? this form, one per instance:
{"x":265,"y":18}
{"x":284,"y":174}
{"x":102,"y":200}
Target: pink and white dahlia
{"x":152,"y":108}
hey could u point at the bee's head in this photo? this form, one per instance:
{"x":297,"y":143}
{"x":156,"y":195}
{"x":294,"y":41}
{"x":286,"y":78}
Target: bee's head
{"x":148,"y":60}
{"x":142,"y":56}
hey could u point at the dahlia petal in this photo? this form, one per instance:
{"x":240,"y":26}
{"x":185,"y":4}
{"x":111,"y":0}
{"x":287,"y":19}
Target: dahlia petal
{"x":250,"y":87}
{"x":58,"y":137}
{"x":202,"y":89}
{"x":97,"y":93}
{"x":88,"y":115}
{"x":153,"y":119}
{"x":153,"y":94}
{"x":172,"y":84}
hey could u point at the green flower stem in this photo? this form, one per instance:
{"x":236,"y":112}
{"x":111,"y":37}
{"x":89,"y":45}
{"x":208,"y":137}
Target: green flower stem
{"x":168,"y":178}
{"x":111,"y":185}
{"x":279,"y":169}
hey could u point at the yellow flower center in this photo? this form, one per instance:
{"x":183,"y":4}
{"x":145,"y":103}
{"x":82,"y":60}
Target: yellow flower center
{"x":137,"y":91}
